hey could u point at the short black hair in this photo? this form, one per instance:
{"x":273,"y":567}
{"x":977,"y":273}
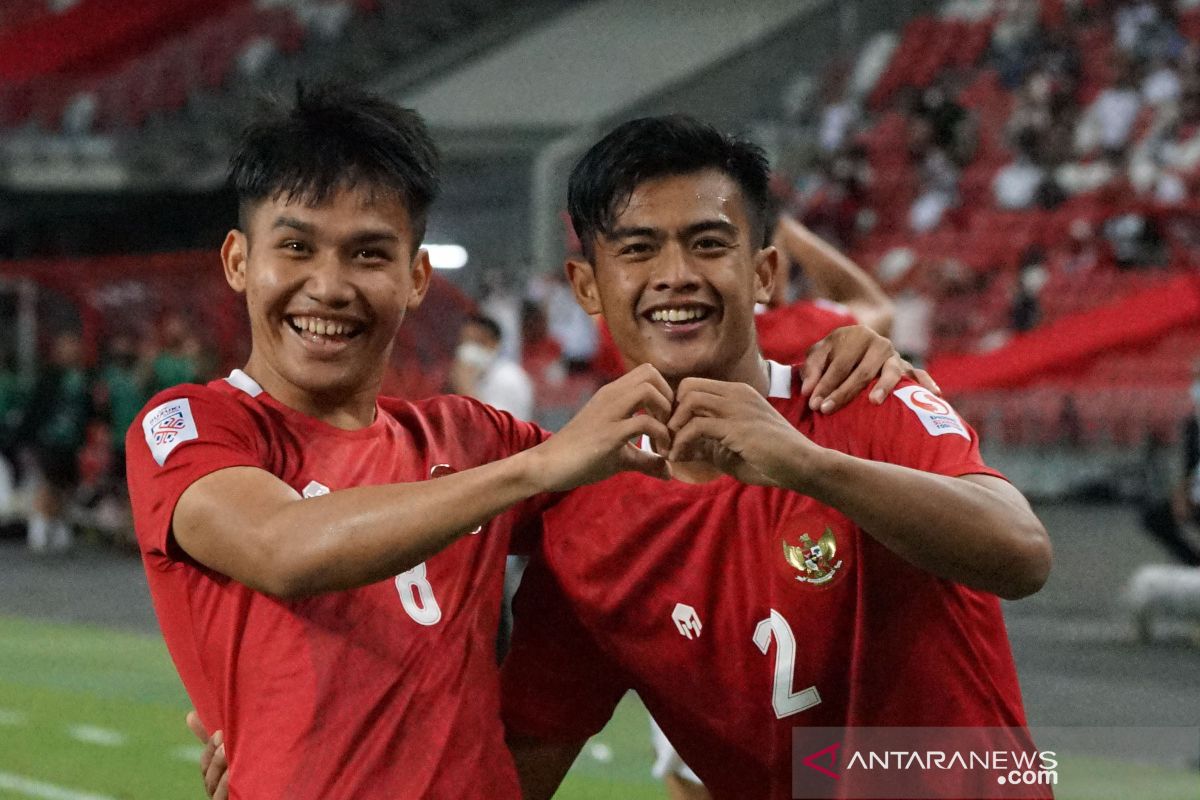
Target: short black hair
{"x":488,"y":324}
{"x":333,"y":137}
{"x":657,"y":147}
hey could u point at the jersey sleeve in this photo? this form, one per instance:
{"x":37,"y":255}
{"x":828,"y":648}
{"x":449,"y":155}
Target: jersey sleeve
{"x":556,"y":684}
{"x":916,"y":428}
{"x":182,"y":435}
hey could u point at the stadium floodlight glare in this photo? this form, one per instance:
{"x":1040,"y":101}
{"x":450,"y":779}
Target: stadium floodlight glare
{"x":447,"y":256}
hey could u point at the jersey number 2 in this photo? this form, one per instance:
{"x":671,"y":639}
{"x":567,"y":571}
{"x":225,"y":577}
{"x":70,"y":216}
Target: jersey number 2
{"x":785,"y":701}
{"x":416,"y":595}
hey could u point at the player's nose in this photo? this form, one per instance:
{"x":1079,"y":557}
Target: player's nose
{"x":674,"y":270}
{"x":329,"y":282}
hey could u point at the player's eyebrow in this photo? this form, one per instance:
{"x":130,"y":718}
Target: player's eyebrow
{"x":373,"y":237}
{"x":711,"y":226}
{"x":630,"y":232}
{"x":292,"y":222}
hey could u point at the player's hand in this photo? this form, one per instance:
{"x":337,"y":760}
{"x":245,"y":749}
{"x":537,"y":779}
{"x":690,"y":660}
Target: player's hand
{"x":842,"y":364}
{"x":213,"y":767}
{"x":600,"y":440}
{"x":733,"y":427}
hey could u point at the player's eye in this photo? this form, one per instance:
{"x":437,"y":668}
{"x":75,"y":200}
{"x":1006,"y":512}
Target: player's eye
{"x":711,"y":243}
{"x":635,"y":249}
{"x":295,"y":246}
{"x":371,"y":254}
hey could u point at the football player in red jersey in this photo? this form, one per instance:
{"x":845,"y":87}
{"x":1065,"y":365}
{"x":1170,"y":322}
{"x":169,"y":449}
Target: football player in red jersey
{"x":746,"y":596}
{"x":327,"y":605}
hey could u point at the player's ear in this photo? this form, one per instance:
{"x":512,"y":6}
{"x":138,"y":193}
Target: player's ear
{"x":766,"y":267}
{"x":421,"y":273}
{"x":234,"y":252}
{"x":582,"y":275}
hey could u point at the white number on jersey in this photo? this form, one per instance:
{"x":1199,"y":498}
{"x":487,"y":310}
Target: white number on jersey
{"x":417,"y":596}
{"x":785,"y":701}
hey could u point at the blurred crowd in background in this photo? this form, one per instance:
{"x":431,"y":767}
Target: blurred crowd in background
{"x":1020,"y":176}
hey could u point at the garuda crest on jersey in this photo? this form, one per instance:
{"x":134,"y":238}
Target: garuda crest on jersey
{"x":815,"y":562}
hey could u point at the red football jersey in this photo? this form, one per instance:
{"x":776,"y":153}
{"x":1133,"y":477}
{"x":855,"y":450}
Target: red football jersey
{"x":739,"y":612}
{"x":390,"y":690}
{"x":785,"y":334}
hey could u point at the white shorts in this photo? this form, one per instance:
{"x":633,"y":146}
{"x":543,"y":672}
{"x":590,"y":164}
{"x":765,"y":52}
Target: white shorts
{"x":666,"y":760}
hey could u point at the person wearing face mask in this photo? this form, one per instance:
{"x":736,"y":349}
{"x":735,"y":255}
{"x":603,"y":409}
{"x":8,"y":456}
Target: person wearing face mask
{"x":482,"y":372}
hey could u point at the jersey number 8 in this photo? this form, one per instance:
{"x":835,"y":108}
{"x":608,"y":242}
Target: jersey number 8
{"x":416,"y":595}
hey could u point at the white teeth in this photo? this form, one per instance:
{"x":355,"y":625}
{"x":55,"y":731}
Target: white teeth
{"x":321,"y":327}
{"x":677,"y":314}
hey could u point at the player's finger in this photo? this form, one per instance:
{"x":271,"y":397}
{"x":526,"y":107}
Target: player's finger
{"x":216,"y":770}
{"x":651,"y":464}
{"x":814,"y":366}
{"x":644,"y":425}
{"x":889,"y":376}
{"x":925,"y":379}
{"x":698,"y":428}
{"x":222,"y":792}
{"x":837,"y":369}
{"x":877,"y":355}
{"x":697,"y":404}
{"x":197,"y":727}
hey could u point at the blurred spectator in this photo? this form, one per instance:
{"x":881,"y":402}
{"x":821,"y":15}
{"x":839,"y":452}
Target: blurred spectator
{"x":55,"y":426}
{"x":121,"y":392}
{"x":1108,"y":122}
{"x":1082,"y":251}
{"x":569,"y":324}
{"x":1170,"y":153}
{"x":482,"y":372}
{"x":1135,"y":240}
{"x":937,"y":192}
{"x":838,"y":118}
{"x":503,"y":305}
{"x":178,"y":359}
{"x":1148,"y":29}
{"x":13,"y":396}
{"x":1169,"y":508}
{"x":948,"y":122}
{"x":1026,"y":309}
{"x":1161,"y":85}
{"x":1016,"y":185}
{"x":912,"y":322}
{"x":1088,"y":175}
{"x":1014,"y":40}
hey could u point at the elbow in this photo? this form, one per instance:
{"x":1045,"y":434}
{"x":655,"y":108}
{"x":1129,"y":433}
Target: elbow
{"x":1030,"y":565}
{"x":285,"y":574}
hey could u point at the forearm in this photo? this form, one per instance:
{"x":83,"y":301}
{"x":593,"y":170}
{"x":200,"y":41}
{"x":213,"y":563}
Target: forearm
{"x":952,"y":527}
{"x":835,"y":276}
{"x":357,"y":536}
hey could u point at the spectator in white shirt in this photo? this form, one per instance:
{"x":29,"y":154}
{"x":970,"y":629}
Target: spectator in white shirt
{"x":480,"y":371}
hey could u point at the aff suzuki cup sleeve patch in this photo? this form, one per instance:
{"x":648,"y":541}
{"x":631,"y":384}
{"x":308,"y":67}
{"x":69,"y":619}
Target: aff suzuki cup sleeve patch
{"x":935,"y":413}
{"x":167,"y":426}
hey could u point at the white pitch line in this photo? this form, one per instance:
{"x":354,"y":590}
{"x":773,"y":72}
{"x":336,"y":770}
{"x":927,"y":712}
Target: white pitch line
{"x":189,"y":752}
{"x":12,"y":718}
{"x":91,"y":734}
{"x":44,"y":791}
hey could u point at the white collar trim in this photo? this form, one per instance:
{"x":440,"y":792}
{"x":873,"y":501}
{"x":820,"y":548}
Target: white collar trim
{"x":780,"y":376}
{"x":240,"y":380}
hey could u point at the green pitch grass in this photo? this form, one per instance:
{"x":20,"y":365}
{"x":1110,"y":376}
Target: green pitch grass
{"x":93,"y":714}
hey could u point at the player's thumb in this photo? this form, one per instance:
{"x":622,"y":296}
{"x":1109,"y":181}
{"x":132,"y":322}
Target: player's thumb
{"x":643,"y":461}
